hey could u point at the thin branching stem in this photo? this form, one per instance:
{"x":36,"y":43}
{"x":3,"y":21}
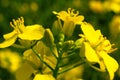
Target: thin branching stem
{"x":51,"y":49}
{"x":42,"y":60}
{"x":69,"y":55}
{"x":74,"y":66}
{"x":55,"y":72}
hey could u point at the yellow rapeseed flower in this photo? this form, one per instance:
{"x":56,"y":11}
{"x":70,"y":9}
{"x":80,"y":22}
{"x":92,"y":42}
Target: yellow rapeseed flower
{"x":70,"y":20}
{"x":70,"y":16}
{"x":32,"y":32}
{"x":95,"y":49}
{"x":43,"y":77}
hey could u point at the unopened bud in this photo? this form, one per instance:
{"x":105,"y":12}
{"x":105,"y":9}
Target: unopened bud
{"x":48,"y":37}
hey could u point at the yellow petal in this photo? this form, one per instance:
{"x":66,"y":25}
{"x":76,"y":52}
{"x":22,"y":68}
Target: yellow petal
{"x":34,"y":32}
{"x":9,"y":35}
{"x":43,"y":77}
{"x":8,"y":42}
{"x":90,"y":33}
{"x":99,"y":37}
{"x":78,"y":19}
{"x":90,"y":53}
{"x":110,"y":63}
{"x":62,"y":15}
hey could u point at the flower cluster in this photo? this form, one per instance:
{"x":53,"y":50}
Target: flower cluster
{"x":50,"y":52}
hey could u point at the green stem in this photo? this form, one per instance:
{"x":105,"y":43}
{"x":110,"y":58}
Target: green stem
{"x":51,"y":49}
{"x":69,"y":55}
{"x":71,"y":67}
{"x":55,"y":72}
{"x":42,"y":59}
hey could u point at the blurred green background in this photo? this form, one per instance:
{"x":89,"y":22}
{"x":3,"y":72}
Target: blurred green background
{"x":40,"y":12}
{"x":102,"y":14}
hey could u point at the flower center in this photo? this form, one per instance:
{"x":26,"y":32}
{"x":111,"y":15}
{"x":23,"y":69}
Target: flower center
{"x":18,"y":25}
{"x":71,"y":12}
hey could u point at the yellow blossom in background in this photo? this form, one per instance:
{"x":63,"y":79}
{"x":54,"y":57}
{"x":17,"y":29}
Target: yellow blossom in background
{"x":33,"y":32}
{"x":106,"y":5}
{"x":10,"y":60}
{"x":96,"y":6}
{"x":70,"y":20}
{"x":96,"y":48}
{"x":112,"y":5}
{"x":77,"y":3}
{"x":115,"y":26}
{"x":43,"y":77}
{"x":34,"y":6}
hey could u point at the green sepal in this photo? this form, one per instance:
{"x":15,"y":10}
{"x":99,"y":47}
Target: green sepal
{"x":48,"y":37}
{"x":79,"y":42}
{"x":57,"y":27}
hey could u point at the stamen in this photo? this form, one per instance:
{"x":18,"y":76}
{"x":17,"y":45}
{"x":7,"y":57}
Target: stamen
{"x":14,"y":22}
{"x":112,"y":50}
{"x":22,"y":20}
{"x":18,"y":25}
{"x":113,"y":44}
{"x":81,"y":35}
{"x":77,"y":13}
{"x":12,"y":25}
{"x":72,"y":12}
{"x":69,"y":10}
{"x":100,"y":37}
